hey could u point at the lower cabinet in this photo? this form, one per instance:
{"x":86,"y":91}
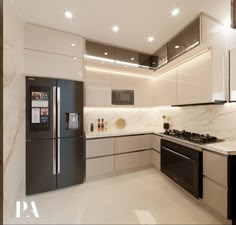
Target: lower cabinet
{"x":126,"y":161}
{"x":100,"y":166}
{"x":215,"y":196}
{"x":156,"y":159}
{"x":145,"y":158}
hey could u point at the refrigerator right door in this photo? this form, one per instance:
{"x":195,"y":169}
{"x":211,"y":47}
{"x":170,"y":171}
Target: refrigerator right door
{"x":70,"y":102}
{"x":70,"y":137}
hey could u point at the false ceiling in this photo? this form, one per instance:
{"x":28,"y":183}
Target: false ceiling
{"x":137,"y":19}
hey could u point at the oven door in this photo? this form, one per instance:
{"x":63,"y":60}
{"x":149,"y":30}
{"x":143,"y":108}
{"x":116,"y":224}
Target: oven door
{"x":122,"y":97}
{"x":182,"y":168}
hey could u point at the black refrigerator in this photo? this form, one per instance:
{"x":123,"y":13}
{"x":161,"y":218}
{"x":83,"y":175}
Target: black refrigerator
{"x":55,"y":153}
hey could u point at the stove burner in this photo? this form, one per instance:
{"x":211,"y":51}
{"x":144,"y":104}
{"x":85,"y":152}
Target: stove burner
{"x":192,"y":137}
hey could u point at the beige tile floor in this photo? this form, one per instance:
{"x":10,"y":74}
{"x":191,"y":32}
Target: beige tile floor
{"x":143,"y":197}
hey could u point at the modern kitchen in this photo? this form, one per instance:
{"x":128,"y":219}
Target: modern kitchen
{"x":119,"y":112}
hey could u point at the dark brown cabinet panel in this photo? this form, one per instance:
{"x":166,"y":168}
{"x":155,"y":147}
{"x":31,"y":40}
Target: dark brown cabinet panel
{"x":161,"y":57}
{"x":186,"y":40}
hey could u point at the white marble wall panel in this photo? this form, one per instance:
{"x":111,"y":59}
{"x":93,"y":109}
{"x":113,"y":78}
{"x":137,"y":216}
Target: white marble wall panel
{"x":218,"y":120}
{"x":14,"y":110}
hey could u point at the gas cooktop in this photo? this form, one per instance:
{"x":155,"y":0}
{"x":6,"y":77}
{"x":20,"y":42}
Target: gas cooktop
{"x":192,"y":137}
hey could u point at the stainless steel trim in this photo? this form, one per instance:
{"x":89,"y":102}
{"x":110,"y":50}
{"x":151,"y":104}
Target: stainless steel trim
{"x":54,"y":112}
{"x":54,"y":157}
{"x":58,"y":111}
{"x":176,"y":153}
{"x":58,"y":156}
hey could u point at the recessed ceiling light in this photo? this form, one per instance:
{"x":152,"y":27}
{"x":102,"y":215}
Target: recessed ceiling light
{"x":115,"y":28}
{"x":73,"y":44}
{"x":74,"y":58}
{"x":150,"y":39}
{"x":102,"y":62}
{"x":132,"y":59}
{"x":125,"y":66}
{"x":175,"y":12}
{"x":68,"y":14}
{"x":177,"y":46}
{"x":105,"y":53}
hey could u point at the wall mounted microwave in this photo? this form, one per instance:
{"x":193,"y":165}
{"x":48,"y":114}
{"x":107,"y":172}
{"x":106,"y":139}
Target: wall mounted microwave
{"x":122,"y":97}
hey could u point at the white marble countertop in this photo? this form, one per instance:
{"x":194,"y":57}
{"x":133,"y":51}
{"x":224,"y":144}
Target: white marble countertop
{"x":225,"y":147}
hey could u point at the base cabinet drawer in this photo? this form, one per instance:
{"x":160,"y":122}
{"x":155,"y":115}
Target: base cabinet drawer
{"x":126,"y":161}
{"x":156,"y":143}
{"x":156,"y":160}
{"x":215,"y":167}
{"x":145,"y":158}
{"x":126,"y":144}
{"x":100,"y":166}
{"x":145,"y":141}
{"x":215,"y":196}
{"x":99,"y":147}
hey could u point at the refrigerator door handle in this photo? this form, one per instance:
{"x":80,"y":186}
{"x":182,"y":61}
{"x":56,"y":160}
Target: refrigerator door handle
{"x":58,"y":156}
{"x":54,"y":112}
{"x":54,"y":157}
{"x":58,"y":111}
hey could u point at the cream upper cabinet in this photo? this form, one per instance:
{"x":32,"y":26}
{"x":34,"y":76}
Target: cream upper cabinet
{"x":52,"y":65}
{"x":143,"y":92}
{"x":120,"y":82}
{"x":53,"y":41}
{"x":97,"y":89}
{"x":166,"y":88}
{"x":194,"y":80}
{"x":233,"y":75}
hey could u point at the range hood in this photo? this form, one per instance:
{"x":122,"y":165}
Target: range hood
{"x":233,"y":14}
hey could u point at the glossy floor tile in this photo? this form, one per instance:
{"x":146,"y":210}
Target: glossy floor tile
{"x":143,"y":197}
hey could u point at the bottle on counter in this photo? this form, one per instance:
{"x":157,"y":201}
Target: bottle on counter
{"x":99,"y":125}
{"x":102,"y":125}
{"x":91,"y":127}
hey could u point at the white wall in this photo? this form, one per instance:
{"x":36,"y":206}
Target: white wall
{"x":14,"y":110}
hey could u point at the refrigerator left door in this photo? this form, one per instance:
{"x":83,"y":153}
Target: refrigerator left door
{"x":40,"y":108}
{"x":40,"y":166}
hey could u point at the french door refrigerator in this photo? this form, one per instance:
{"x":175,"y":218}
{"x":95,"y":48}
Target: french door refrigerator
{"x":55,"y":154}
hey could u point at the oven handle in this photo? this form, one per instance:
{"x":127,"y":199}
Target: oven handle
{"x":176,"y":153}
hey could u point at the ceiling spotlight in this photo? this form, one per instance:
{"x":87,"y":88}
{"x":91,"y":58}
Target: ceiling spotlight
{"x":150,"y":39}
{"x":68,"y":14}
{"x":177,"y":46}
{"x":115,"y":28}
{"x":74,"y":58}
{"x":102,"y":62}
{"x":73,"y":44}
{"x":175,"y":12}
{"x":125,"y":66}
{"x":132,"y":59}
{"x":105,"y":53}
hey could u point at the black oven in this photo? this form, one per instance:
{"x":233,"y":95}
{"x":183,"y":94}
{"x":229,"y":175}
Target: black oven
{"x":122,"y":97}
{"x":183,"y":165}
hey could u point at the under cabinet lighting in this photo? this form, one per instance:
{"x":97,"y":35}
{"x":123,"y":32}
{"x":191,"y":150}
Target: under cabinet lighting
{"x":117,"y":72}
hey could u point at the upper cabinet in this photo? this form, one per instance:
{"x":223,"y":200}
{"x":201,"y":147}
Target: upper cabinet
{"x":166,"y":89}
{"x":53,"y":53}
{"x":186,"y":40}
{"x":232,"y":75}
{"x":53,"y":41}
{"x":194,"y":80}
{"x":161,"y":57}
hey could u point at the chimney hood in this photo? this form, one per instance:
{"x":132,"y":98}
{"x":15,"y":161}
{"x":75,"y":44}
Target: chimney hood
{"x":233,"y":14}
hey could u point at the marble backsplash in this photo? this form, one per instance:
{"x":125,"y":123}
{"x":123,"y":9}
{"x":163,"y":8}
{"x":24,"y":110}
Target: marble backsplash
{"x":216,"y":120}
